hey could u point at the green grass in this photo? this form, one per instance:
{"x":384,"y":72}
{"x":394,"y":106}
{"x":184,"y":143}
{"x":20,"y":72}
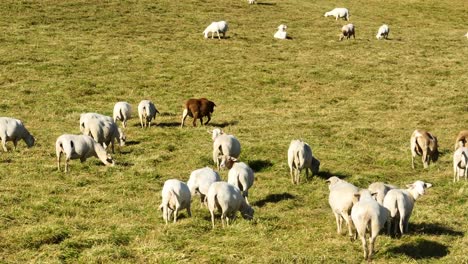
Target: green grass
{"x":355,"y":102}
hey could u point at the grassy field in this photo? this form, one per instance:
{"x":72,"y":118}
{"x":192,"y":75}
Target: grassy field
{"x":356,"y":102}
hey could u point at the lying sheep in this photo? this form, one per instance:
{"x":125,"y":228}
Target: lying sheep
{"x":85,"y":117}
{"x":339,"y":12}
{"x":122,"y":112}
{"x":240,"y":175}
{"x":105,"y":133}
{"x":341,"y":201}
{"x":425,"y":144}
{"x":300,"y":157}
{"x":198,"y":108}
{"x":200,"y":181}
{"x":281,"y":33}
{"x":80,"y":147}
{"x":381,"y":190}
{"x":175,"y":197}
{"x":368,"y":217}
{"x":460,"y":163}
{"x":463,"y":138}
{"x":13,"y":130}
{"x":400,"y":203}
{"x":216,"y":27}
{"x":224,"y":144}
{"x":146,"y":112}
{"x":383,"y":32}
{"x":227,"y":199}
{"x":347,"y":31}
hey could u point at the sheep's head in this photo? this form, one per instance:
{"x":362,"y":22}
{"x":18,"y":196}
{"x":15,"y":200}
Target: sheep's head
{"x":282,"y":27}
{"x":333,"y":180}
{"x":419,"y":186}
{"x":215,"y":133}
{"x":110,"y":161}
{"x":247,"y":212}
{"x":30,"y":140}
{"x":315,"y":166}
{"x":327,"y":14}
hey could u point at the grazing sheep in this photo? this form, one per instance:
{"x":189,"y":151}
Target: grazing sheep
{"x":339,"y":12}
{"x":347,"y":31}
{"x":105,"y":133}
{"x":227,"y":199}
{"x":400,"y":203}
{"x":460,"y":163}
{"x":240,"y":175}
{"x":425,"y":144}
{"x":122,"y":112}
{"x":13,"y":130}
{"x":175,"y":197}
{"x":200,"y":181}
{"x":281,"y":33}
{"x":85,"y":117}
{"x":381,"y":190}
{"x":146,"y":112}
{"x":198,"y":108}
{"x":341,"y":201}
{"x":216,"y":27}
{"x":252,"y":2}
{"x":300,"y":157}
{"x":383,"y":32}
{"x":80,"y":147}
{"x":368,"y":217}
{"x":463,"y":138}
{"x":224,"y":144}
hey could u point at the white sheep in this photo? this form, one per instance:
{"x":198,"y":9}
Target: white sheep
{"x":80,"y":147}
{"x":105,"y":132}
{"x":227,"y":199}
{"x":255,"y":1}
{"x":200,"y":181}
{"x":341,"y":201}
{"x":339,"y":12}
{"x":347,"y":31}
{"x":460,"y":163}
{"x":383,"y":32}
{"x":368,"y":217}
{"x":425,"y":144}
{"x":400,"y":203}
{"x":216,"y":27}
{"x":122,"y":112}
{"x":466,"y":35}
{"x":381,"y":190}
{"x":462,"y":139}
{"x":146,"y":112}
{"x":300,"y":157}
{"x":224,"y":144}
{"x":240,"y":174}
{"x":85,"y":117}
{"x":12,"y":129}
{"x":175,"y":197}
{"x":281,"y":33}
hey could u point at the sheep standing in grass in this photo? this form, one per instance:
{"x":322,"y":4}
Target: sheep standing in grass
{"x":460,"y":163}
{"x":80,"y":147}
{"x":105,"y":133}
{"x":146,"y":112}
{"x":198,"y":108}
{"x":341,"y":201}
{"x":216,"y":27}
{"x":86,"y":117}
{"x":347,"y":31}
{"x":400,"y":203}
{"x":425,"y":144}
{"x":383,"y":32}
{"x":227,"y":198}
{"x":12,"y":129}
{"x":240,"y":174}
{"x":300,"y":157}
{"x":200,"y":181}
{"x":175,"y":197}
{"x":252,"y":2}
{"x":381,"y":190}
{"x":368,"y":217}
{"x":281,"y":33}
{"x":122,"y":112}
{"x":462,"y":139}
{"x":224,"y":144}
{"x":339,"y":12}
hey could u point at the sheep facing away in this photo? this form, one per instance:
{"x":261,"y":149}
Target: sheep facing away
{"x":240,"y":175}
{"x":175,"y":197}
{"x":227,"y":198}
{"x":281,"y":33}
{"x":224,"y":144}
{"x":200,"y":181}
{"x":460,"y":163}
{"x":300,"y":157}
{"x":216,"y":27}
{"x":146,"y":112}
{"x":339,"y":12}
{"x":383,"y":32}
{"x":381,"y":190}
{"x":105,"y":133}
{"x":425,"y":144}
{"x":122,"y":112}
{"x":12,"y":129}
{"x":463,"y":138}
{"x":198,"y":108}
{"x":80,"y":147}
{"x":347,"y":31}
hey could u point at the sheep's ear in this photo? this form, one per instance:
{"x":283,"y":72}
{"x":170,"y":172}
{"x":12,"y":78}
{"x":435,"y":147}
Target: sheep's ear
{"x":374,"y":194}
{"x":427,"y":185}
{"x":232,"y":159}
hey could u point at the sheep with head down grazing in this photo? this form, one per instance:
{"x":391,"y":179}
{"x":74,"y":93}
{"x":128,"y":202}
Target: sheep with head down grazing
{"x":200,"y":181}
{"x":300,"y":157}
{"x":216,"y":27}
{"x":347,"y":31}
{"x":12,"y":129}
{"x":383,"y":32}
{"x":425,"y":144}
{"x":122,"y":112}
{"x":224,"y":144}
{"x":146,"y":112}
{"x":460,"y":163}
{"x":175,"y":197}
{"x":198,"y":108}
{"x":339,"y":12}
{"x":240,"y":174}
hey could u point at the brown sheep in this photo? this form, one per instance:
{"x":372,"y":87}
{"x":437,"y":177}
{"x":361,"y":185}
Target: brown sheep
{"x":198,"y":108}
{"x":463,"y":138}
{"x":425,"y":144}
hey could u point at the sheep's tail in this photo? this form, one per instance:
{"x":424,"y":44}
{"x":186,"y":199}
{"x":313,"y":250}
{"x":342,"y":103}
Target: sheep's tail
{"x":121,"y":114}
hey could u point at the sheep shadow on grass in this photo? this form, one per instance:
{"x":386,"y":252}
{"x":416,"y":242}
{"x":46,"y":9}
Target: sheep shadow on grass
{"x":132,"y":142}
{"x":259,"y":165}
{"x":267,"y":4}
{"x":224,"y":124}
{"x":327,"y":174}
{"x":433,"y":229}
{"x":169,"y":124}
{"x":421,"y":249}
{"x":274,"y":198}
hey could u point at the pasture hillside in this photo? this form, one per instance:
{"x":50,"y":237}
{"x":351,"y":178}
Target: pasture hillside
{"x":356,"y":102}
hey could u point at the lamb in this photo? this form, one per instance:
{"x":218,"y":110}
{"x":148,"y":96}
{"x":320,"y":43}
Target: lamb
{"x":425,"y":144}
{"x":122,"y":112}
{"x":347,"y":31}
{"x":12,"y":129}
{"x":341,"y":201}
{"x":463,"y":138}
{"x":198,"y":108}
{"x":368,"y":217}
{"x":200,"y":181}
{"x":175,"y":197}
{"x":105,"y":133}
{"x":224,"y":144}
{"x":383,"y":32}
{"x":339,"y":12}
{"x":281,"y":33}
{"x":146,"y":112}
{"x":400,"y":203}
{"x":85,"y":117}
{"x":381,"y":190}
{"x":227,"y":199}
{"x":240,"y":175}
{"x":460,"y":163}
{"x":300,"y":157}
{"x":80,"y":147}
{"x":216,"y":27}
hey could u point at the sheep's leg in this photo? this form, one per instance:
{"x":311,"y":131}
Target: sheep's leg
{"x":4,"y":143}
{"x":425,"y":159}
{"x":349,"y":223}
{"x":292,"y":175}
{"x":307,"y":174}
{"x":189,"y":212}
{"x":212,"y":218}
{"x":176,"y":211}
{"x":15,"y":142}
{"x":58,"y":160}
{"x":209,"y":118}
{"x":371,"y":247}
{"x":401,"y":225}
{"x":339,"y":221}
{"x":195,"y":117}
{"x":223,"y":217}
{"x":364,"y":245}
{"x":184,"y":116}
{"x":217,"y":32}
{"x":66,"y":164}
